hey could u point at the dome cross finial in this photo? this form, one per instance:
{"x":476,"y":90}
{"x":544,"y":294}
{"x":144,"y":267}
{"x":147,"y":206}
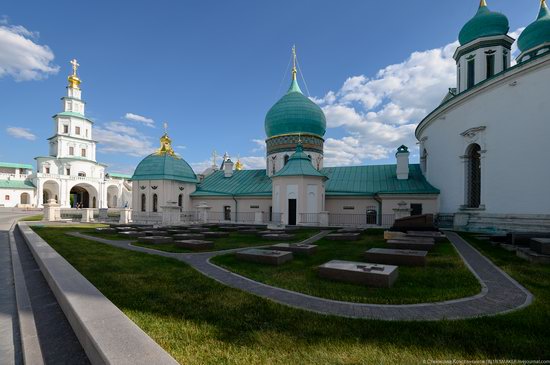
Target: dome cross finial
{"x":294,"y":69}
{"x":74,"y":81}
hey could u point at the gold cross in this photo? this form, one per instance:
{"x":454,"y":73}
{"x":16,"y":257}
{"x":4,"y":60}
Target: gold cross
{"x":75,"y":66}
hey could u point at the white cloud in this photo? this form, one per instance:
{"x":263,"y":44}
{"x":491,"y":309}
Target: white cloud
{"x":18,"y":132}
{"x":180,"y":147}
{"x":140,"y":119}
{"x":260,"y":145}
{"x":115,"y":137}
{"x":21,"y":57}
{"x":253,"y":162}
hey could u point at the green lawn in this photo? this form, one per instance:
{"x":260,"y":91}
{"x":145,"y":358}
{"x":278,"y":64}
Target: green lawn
{"x":444,"y":278}
{"x":200,"y":321}
{"x":33,"y":218}
{"x":235,"y":240}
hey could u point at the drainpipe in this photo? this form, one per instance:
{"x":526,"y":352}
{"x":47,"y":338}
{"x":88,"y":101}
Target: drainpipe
{"x":379,"y":200}
{"x":236,"y":208}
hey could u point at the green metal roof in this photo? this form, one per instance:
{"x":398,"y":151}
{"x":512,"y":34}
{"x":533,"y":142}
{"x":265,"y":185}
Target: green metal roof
{"x":16,"y":184}
{"x":121,"y":176}
{"x":538,"y":32}
{"x":485,"y":23}
{"x":242,"y":183}
{"x":295,"y":113}
{"x":73,"y":114}
{"x":16,"y":165}
{"x":343,"y":181}
{"x":299,"y":164}
{"x":164,"y":167}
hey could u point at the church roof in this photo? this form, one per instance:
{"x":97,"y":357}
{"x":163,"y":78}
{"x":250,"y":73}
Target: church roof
{"x":16,"y":165}
{"x":485,"y":23}
{"x":343,"y":181}
{"x":16,"y":184}
{"x":164,"y":167}
{"x":299,"y":164}
{"x":538,"y":32}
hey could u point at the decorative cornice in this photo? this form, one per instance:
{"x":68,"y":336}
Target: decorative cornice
{"x":472,"y":132}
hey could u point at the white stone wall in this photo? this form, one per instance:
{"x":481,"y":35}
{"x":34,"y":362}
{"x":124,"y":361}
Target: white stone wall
{"x":508,"y":118}
{"x":166,"y":191}
{"x":298,"y":187}
{"x":12,"y":197}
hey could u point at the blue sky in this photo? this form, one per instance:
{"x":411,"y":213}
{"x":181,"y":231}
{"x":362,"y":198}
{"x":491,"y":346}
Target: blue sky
{"x":212,"y":69}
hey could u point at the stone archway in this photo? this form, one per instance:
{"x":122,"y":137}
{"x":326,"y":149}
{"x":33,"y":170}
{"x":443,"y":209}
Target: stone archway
{"x":25,"y":199}
{"x":50,"y":190}
{"x":113,"y":196}
{"x":83,"y":196}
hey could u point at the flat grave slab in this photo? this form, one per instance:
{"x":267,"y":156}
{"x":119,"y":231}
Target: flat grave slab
{"x":414,"y":239}
{"x":155,"y":240}
{"x":343,"y":236}
{"x":249,"y":231}
{"x":215,"y":234}
{"x":532,"y":256}
{"x":125,"y":229}
{"x":229,"y":228}
{"x":106,"y":230}
{"x":296,"y":248}
{"x":541,"y":245}
{"x":177,"y":231}
{"x":132,"y":234}
{"x":383,"y":276}
{"x":404,"y":245}
{"x":389,"y":235}
{"x":198,"y":229}
{"x":195,"y":244}
{"x":396,"y":257}
{"x":437,"y":236}
{"x":156,"y":233}
{"x":270,"y":257}
{"x":188,"y":236}
{"x":278,"y":236}
{"x":351,"y":230}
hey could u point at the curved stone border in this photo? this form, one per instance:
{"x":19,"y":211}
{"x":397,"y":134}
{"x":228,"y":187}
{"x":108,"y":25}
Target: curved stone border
{"x":105,"y":333}
{"x":500,"y":293}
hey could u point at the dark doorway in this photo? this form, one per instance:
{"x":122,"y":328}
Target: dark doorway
{"x":80,"y":197}
{"x":227,"y":213}
{"x":416,"y":209}
{"x":473,"y":176}
{"x":371,"y":216}
{"x":291,"y":212}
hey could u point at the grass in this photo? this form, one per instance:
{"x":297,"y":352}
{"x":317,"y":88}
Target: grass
{"x":33,"y":218}
{"x":444,"y":278}
{"x":235,"y":240}
{"x":199,"y":321}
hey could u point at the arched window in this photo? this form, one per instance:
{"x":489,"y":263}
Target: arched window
{"x":180,"y":200}
{"x":155,"y":203}
{"x":286,"y":159}
{"x":143,"y":201}
{"x":424,"y":161}
{"x":473,"y":176}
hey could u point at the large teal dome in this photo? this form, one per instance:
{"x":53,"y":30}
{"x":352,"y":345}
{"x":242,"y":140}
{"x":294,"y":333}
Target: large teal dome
{"x":485,"y":23}
{"x":295,"y":113}
{"x":164,"y":165}
{"x":537,"y":32}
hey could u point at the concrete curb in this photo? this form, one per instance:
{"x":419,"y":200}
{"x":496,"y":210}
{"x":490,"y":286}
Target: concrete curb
{"x":107,"y":335}
{"x":32,"y":353}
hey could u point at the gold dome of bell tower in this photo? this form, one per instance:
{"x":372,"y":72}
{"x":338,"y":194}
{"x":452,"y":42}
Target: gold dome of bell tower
{"x":74,"y":81}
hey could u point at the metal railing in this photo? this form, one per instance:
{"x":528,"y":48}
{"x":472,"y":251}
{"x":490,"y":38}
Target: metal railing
{"x":274,"y":218}
{"x":189,"y":217}
{"x":147,"y":217}
{"x":444,"y":220}
{"x":310,"y":218}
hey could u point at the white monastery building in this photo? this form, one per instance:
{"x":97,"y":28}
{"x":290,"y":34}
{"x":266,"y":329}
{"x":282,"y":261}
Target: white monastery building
{"x":70,"y":174}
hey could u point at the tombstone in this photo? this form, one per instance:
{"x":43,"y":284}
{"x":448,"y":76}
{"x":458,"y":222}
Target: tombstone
{"x":87,"y":215}
{"x":145,"y":228}
{"x":132,"y":234}
{"x":249,"y":231}
{"x":383,"y":276}
{"x":156,"y":233}
{"x":177,"y":231}
{"x":215,"y":234}
{"x":541,"y":245}
{"x":229,"y":228}
{"x":396,"y":257}
{"x":270,"y":257}
{"x":343,"y":236}
{"x":187,"y":236}
{"x":437,"y":236}
{"x":301,"y":248}
{"x":106,"y":230}
{"x":389,"y":235}
{"x":155,"y":240}
{"x":195,"y":244}
{"x":125,"y":216}
{"x":198,"y":229}
{"x":125,"y":229}
{"x":423,"y":222}
{"x":408,"y":245}
{"x":414,"y":239}
{"x":278,"y":236}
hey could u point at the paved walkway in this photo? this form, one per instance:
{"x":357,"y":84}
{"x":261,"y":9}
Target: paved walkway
{"x":500,"y":293}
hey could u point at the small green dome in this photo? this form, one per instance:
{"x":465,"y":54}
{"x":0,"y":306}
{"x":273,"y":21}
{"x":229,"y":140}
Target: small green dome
{"x":295,"y":113}
{"x":485,"y":23}
{"x":299,"y":164}
{"x":537,"y":32}
{"x":164,"y":166}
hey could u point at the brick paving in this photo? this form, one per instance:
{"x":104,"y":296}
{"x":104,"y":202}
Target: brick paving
{"x":500,"y":293}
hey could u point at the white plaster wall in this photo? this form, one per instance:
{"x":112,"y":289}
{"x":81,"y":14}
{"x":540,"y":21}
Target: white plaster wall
{"x":430,"y":203}
{"x":514,"y":144}
{"x":296,"y":187}
{"x":15,"y":197}
{"x":480,"y":64}
{"x":166,"y":190}
{"x":337,"y":204}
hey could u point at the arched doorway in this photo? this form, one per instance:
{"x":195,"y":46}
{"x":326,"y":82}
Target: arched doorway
{"x":50,"y":190}
{"x":473,"y":176}
{"x":83,"y":196}
{"x":25,"y":198}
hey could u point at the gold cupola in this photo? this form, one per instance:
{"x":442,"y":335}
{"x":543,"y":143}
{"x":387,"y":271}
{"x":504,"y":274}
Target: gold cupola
{"x":166,"y":144}
{"x":74,"y":81}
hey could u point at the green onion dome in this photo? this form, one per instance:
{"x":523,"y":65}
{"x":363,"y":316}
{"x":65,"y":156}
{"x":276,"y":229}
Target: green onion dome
{"x":164,"y":164}
{"x":295,"y":113}
{"x":485,"y":23}
{"x":538,"y":32}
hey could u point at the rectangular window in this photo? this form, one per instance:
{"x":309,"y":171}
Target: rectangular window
{"x":254,"y":207}
{"x":71,"y":151}
{"x":77,"y":130}
{"x":505,"y":62}
{"x":416,"y":209}
{"x":83,"y":152}
{"x":68,"y":171}
{"x":471,"y":73}
{"x":490,"y":65}
{"x":65,"y":129}
{"x":7,"y":197}
{"x":86,"y":133}
{"x":349,"y":207}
